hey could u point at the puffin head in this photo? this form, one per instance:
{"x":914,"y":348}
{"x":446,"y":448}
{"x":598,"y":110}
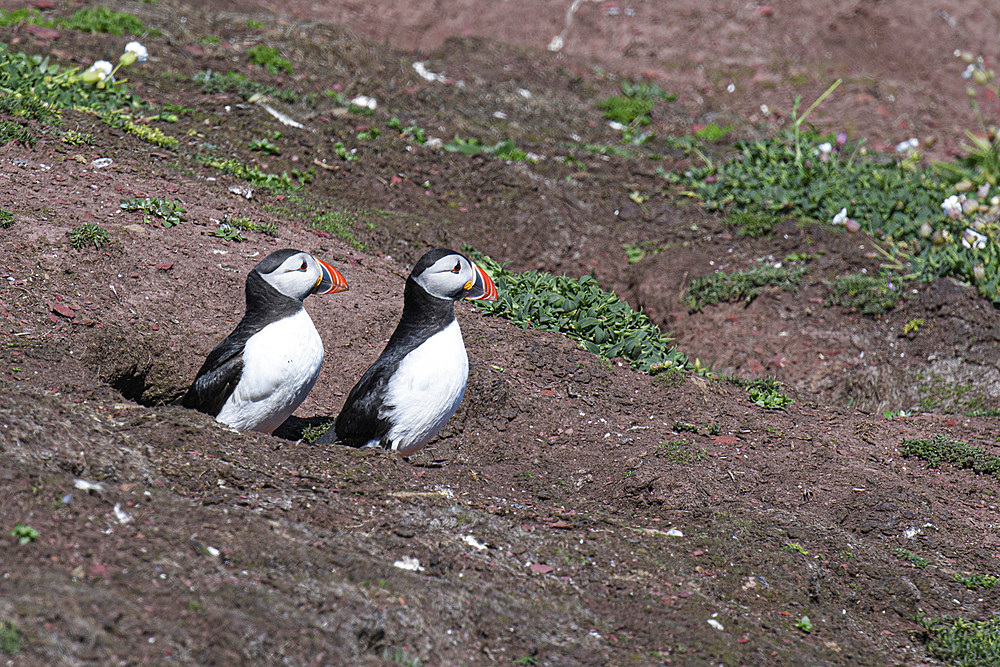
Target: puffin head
{"x":298,"y":274}
{"x":450,"y":275}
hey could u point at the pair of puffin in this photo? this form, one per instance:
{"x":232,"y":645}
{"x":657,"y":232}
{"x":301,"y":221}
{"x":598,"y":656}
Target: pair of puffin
{"x":256,"y":378}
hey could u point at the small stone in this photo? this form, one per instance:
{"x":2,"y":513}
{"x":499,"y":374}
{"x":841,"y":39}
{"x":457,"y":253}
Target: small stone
{"x":541,"y":568}
{"x":41,"y":32}
{"x":63,"y":309}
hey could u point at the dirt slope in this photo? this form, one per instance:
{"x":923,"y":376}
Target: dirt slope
{"x":574,"y":511}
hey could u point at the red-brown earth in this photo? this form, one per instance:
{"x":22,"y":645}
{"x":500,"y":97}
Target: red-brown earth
{"x":574,"y":511}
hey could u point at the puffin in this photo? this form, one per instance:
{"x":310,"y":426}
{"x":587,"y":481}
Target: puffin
{"x":417,"y":383}
{"x":261,"y":372}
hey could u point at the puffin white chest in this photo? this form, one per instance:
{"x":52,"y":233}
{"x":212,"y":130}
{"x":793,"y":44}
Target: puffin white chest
{"x":280,"y":365}
{"x":426,"y":389}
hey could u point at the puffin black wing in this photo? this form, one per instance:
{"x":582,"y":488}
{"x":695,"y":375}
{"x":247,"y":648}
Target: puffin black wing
{"x":217,"y":378}
{"x":359,"y":422}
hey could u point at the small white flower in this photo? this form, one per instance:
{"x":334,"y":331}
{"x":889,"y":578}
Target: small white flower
{"x":952,"y":207}
{"x":731,"y":88}
{"x":967,"y":74}
{"x":365,"y":102}
{"x":973,"y":239}
{"x":764,"y":109}
{"x":908,"y":146}
{"x":103,"y":69}
{"x":141,"y":54}
{"x":841,"y":217}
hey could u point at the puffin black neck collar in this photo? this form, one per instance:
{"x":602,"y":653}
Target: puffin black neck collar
{"x":423,"y":314}
{"x":263,"y":298}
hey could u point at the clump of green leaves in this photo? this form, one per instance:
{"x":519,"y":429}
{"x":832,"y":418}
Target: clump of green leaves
{"x":145,"y":132}
{"x":13,"y":131}
{"x":679,"y":452}
{"x":765,"y":176}
{"x":270,"y":59}
{"x":961,"y":641}
{"x":766,"y":392}
{"x":23,"y":15}
{"x":868,"y":293}
{"x":504,"y":150}
{"x":243,"y":223}
{"x":75,"y":138}
{"x":942,"y":448}
{"x":311,"y":433}
{"x":10,"y":638}
{"x":804,"y":624}
{"x":712,"y":132}
{"x":24,"y":534}
{"x":795,"y":548}
{"x":601,"y":321}
{"x":975,"y":582}
{"x":87,"y":233}
{"x":626,"y":110}
{"x":264,"y":146}
{"x":6,"y":218}
{"x":413,"y":132}
{"x":29,"y":107}
{"x":634,"y":105}
{"x":910,"y":557}
{"x":224,"y":231}
{"x":104,"y":20}
{"x":51,"y":87}
{"x":233,"y":82}
{"x":344,"y":154}
{"x":255,"y":175}
{"x":742,"y":285}
{"x":170,"y":212}
{"x":636,"y":252}
{"x":753,"y":223}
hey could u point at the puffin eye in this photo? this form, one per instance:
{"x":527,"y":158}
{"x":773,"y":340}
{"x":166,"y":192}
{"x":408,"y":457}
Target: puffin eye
{"x":458,"y":268}
{"x":304,"y":266}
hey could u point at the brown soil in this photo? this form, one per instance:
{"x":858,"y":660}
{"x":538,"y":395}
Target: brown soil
{"x":574,"y":511}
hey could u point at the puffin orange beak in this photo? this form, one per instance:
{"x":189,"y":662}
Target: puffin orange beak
{"x":331,"y":281}
{"x":483,"y":289}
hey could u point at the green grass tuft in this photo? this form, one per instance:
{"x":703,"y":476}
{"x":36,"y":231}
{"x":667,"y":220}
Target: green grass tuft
{"x":753,"y":223}
{"x":943,"y":449}
{"x":87,"y":233}
{"x":104,"y":20}
{"x":170,"y":212}
{"x":872,"y":295}
{"x":766,"y":393}
{"x":270,"y":59}
{"x":975,"y":582}
{"x":14,"y":131}
{"x":742,"y":285}
{"x":10,"y":638}
{"x":912,"y":558}
{"x":960,"y":641}
{"x":232,"y":82}
{"x":6,"y":218}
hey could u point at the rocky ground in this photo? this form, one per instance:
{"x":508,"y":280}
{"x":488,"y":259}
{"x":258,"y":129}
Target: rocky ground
{"x":574,"y":511}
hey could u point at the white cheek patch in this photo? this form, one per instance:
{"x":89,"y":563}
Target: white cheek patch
{"x":290,"y":281}
{"x":439,"y":280}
